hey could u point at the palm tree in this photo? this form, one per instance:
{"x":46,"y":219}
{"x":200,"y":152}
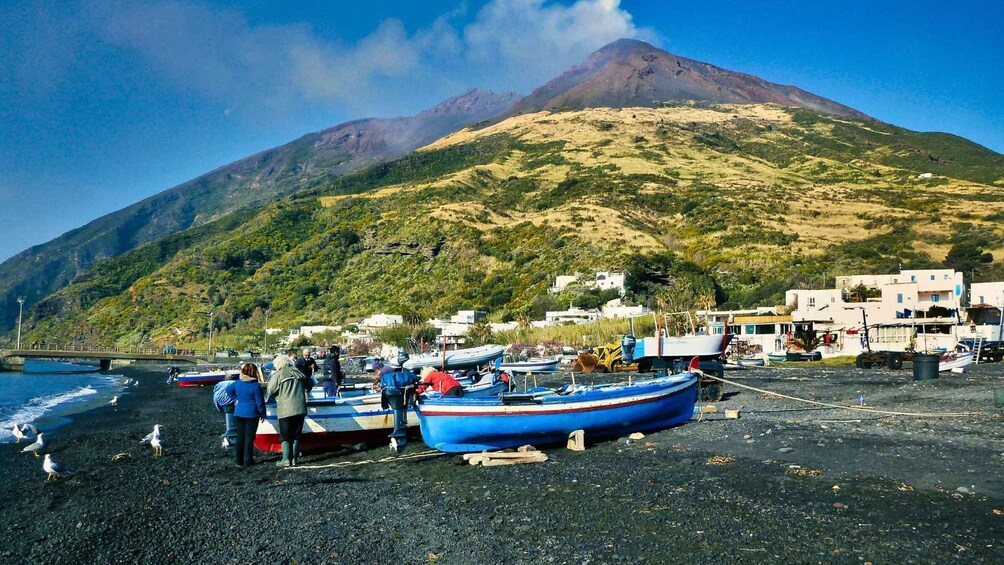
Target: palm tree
{"x":807,"y":339}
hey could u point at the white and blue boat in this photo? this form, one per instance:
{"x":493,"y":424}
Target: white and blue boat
{"x":449,"y":360}
{"x":356,"y":415}
{"x":529,"y":366}
{"x":544,"y":416}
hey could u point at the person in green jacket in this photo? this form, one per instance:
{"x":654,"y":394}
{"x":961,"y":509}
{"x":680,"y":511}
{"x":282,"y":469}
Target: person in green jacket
{"x":288,"y":386}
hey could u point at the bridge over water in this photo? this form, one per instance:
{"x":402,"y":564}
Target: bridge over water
{"x":14,"y":358}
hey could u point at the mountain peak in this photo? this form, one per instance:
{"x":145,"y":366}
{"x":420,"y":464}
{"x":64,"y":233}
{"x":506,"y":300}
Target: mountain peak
{"x":631,"y":73}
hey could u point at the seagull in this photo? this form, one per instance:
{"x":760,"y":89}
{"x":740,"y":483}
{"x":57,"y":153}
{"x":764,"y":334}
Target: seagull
{"x":135,"y":382}
{"x":226,"y":443}
{"x":18,"y":431}
{"x":114,"y":401}
{"x":158,"y":447}
{"x":154,"y":434}
{"x":54,"y":469}
{"x":35,"y":447}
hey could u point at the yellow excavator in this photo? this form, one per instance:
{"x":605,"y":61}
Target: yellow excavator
{"x":603,"y":359}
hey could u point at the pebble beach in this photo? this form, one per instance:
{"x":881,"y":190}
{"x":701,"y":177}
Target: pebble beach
{"x":786,"y":482}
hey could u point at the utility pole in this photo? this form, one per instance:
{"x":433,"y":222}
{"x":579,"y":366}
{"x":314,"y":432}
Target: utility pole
{"x":264,"y":343}
{"x":20,"y":309}
{"x":211,"y":312}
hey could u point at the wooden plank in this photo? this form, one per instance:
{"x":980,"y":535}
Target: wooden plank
{"x":537,"y":458}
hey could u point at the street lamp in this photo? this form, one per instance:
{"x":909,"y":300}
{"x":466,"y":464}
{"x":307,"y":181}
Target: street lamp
{"x":211,"y":312}
{"x":20,"y":309}
{"x":264,"y":347}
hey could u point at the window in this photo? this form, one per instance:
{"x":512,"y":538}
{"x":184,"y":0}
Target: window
{"x":812,"y":301}
{"x":899,"y":299}
{"x":935,"y":298}
{"x":946,"y":276}
{"x":749,"y":329}
{"x":913,"y":278}
{"x":932,"y":277}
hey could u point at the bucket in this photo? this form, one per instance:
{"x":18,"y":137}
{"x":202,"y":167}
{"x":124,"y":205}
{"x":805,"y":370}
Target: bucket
{"x":925,"y":367}
{"x":999,"y":397}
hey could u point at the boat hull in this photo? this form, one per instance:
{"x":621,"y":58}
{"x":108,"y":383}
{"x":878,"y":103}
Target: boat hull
{"x":685,"y":347}
{"x":546,"y":366}
{"x":333,"y":422}
{"x":459,"y":425}
{"x":955,"y":360}
{"x":354,"y":418}
{"x":458,"y":359}
{"x":203,"y":379}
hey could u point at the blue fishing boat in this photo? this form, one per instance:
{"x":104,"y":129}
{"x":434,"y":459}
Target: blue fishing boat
{"x":541,"y":416}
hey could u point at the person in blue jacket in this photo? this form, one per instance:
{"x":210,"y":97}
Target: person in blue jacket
{"x":249,"y":411}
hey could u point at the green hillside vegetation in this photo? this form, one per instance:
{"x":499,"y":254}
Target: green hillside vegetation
{"x":724,"y":206}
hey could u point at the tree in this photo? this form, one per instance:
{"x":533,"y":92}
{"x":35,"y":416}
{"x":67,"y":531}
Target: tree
{"x":807,"y":339}
{"x":480,"y":333}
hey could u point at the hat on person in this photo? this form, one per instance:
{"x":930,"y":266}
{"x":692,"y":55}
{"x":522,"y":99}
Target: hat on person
{"x":426,"y":371}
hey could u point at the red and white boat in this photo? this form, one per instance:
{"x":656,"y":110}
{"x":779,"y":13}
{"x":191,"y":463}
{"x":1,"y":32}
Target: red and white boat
{"x":202,"y":378}
{"x":957,"y":359}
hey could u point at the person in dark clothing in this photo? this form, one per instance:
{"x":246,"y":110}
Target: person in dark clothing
{"x":249,"y":411}
{"x":334,"y":366}
{"x":306,"y":364}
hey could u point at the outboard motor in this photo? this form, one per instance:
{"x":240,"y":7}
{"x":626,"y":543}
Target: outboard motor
{"x":628,"y":343}
{"x":397,"y":392}
{"x":402,"y":356}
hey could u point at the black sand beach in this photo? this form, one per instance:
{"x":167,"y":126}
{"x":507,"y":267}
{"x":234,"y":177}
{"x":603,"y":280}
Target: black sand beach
{"x":847,"y":487}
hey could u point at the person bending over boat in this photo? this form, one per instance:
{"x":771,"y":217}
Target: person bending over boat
{"x":249,"y":410}
{"x":440,"y":382}
{"x":226,"y":402}
{"x":288,"y":386}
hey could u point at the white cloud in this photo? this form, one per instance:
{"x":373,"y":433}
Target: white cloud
{"x":509,"y":44}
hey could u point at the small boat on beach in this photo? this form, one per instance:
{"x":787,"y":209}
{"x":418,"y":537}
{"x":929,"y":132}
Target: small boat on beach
{"x":355,"y":416}
{"x":208,"y":377}
{"x":455,"y":359}
{"x":544,"y":416}
{"x":957,"y":359}
{"x":530,"y":366}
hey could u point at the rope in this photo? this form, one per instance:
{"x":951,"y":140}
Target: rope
{"x":844,"y":407}
{"x":430,"y":453}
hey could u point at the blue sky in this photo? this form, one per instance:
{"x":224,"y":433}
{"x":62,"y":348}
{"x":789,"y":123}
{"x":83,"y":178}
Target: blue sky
{"x":105,"y":103}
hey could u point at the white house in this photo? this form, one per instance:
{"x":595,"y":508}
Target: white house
{"x":561,"y":282}
{"x":573,"y":315}
{"x":616,"y":309}
{"x":467,"y":316}
{"x":892,"y":317}
{"x":605,"y":280}
{"x":380,"y":321}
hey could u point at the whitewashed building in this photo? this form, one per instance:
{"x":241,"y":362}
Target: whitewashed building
{"x":572,"y":315}
{"x":380,"y":321}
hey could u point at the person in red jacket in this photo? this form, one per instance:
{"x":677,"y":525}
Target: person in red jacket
{"x":439,"y":382}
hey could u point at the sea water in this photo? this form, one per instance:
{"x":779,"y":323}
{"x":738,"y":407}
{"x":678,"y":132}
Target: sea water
{"x":47,"y":400}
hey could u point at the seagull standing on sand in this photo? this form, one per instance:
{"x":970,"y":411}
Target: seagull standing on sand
{"x":36,"y":447}
{"x":18,"y":434}
{"x":158,"y":447}
{"x":154,"y":439}
{"x":54,"y":469}
{"x":18,"y":431}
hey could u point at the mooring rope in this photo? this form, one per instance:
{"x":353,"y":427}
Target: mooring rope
{"x":846,"y":407}
{"x":430,"y":453}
